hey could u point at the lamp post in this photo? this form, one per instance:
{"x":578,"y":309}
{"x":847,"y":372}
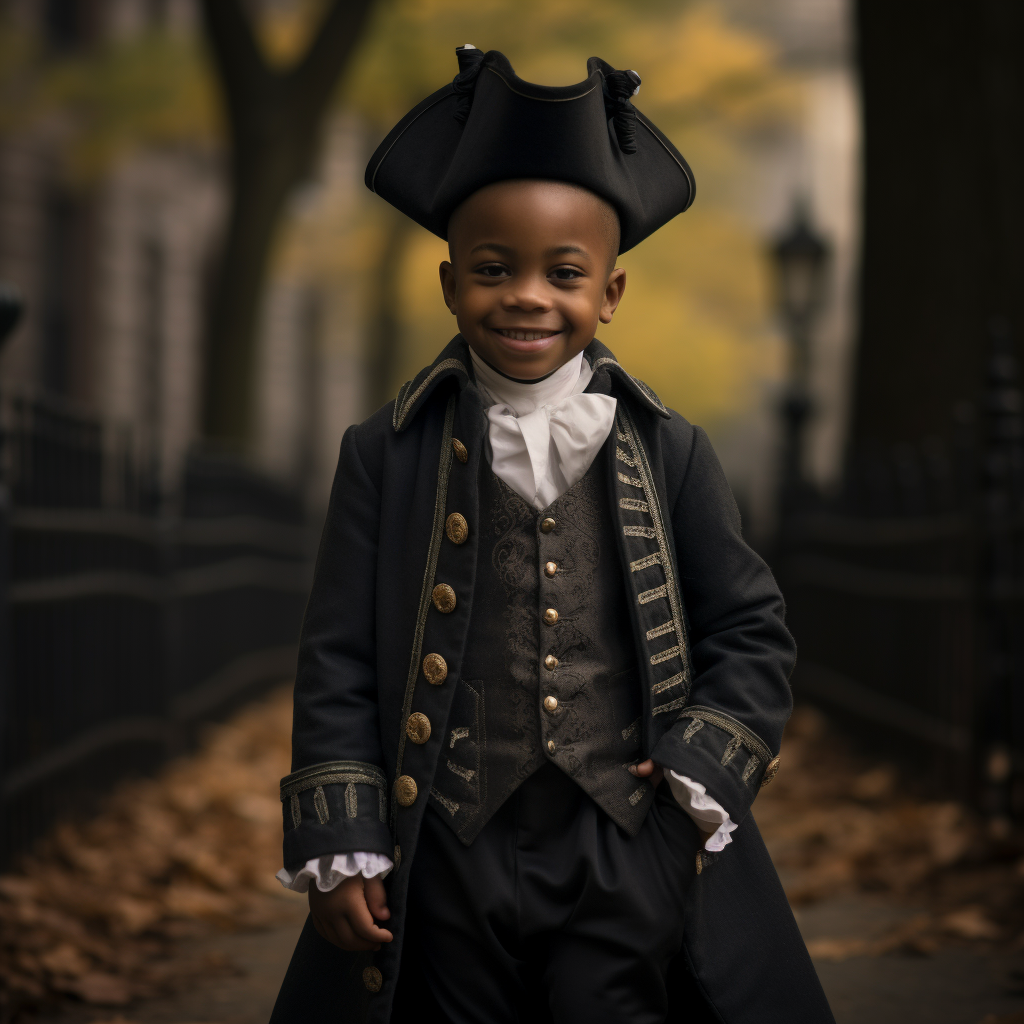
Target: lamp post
{"x":801,"y":259}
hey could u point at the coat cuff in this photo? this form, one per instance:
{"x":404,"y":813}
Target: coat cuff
{"x":335,"y":807}
{"x":731,"y":761}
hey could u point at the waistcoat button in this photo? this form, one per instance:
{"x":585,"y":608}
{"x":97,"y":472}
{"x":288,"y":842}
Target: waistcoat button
{"x":443,"y":597}
{"x":551,"y":663}
{"x":406,"y":790}
{"x":372,"y":979}
{"x":550,"y":616}
{"x":547,"y":525}
{"x":551,"y":568}
{"x":457,"y":528}
{"x":551,"y":746}
{"x":460,"y":450}
{"x":435,"y":668}
{"x":417,"y":727}
{"x":550,"y":703}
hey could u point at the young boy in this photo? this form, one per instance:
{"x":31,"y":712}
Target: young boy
{"x":541,"y":676}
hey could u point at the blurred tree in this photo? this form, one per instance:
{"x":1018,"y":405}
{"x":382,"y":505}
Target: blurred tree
{"x":274,"y":117}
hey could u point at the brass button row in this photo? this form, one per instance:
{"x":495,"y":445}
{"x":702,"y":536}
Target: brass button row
{"x":551,"y":748}
{"x":550,"y":568}
{"x":550,"y":703}
{"x":547,"y":525}
{"x":551,"y":663}
{"x":406,"y":790}
{"x":460,"y":450}
{"x":550,"y":616}
{"x":456,"y":528}
{"x":372,"y":979}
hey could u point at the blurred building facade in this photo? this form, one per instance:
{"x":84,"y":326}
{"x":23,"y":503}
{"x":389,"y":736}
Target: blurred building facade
{"x":115,"y":275}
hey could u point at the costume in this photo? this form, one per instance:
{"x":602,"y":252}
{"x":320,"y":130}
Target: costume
{"x":480,"y":668}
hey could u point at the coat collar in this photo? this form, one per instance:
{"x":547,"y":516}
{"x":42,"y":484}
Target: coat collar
{"x":454,"y":362}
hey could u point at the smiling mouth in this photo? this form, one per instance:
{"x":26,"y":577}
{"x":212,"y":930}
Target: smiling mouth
{"x":515,"y":335}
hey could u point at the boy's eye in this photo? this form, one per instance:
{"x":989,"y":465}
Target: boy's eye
{"x":492,"y":270}
{"x":566,"y":273}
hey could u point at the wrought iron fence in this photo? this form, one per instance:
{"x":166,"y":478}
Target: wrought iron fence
{"x":906,"y":596}
{"x":126,"y":625}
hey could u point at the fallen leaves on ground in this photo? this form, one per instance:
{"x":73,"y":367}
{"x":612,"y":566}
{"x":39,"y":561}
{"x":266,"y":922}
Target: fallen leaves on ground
{"x":836,"y":823}
{"x":93,"y":912}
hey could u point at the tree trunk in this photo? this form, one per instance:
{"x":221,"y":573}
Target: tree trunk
{"x":274,"y":118}
{"x":943,"y":100}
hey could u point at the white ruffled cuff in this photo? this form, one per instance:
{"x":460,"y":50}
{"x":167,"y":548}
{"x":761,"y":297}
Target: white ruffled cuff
{"x":333,"y":868}
{"x":708,"y":813}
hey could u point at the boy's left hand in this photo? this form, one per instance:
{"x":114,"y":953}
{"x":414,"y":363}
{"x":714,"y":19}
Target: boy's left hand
{"x":649,"y":769}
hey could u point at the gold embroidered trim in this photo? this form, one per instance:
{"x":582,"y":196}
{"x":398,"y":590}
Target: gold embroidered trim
{"x":463,"y":773}
{"x":637,"y":795}
{"x":731,"y":750}
{"x":750,"y":740}
{"x":666,"y":655}
{"x":633,"y":505}
{"x":647,"y":532}
{"x":665,"y":627}
{"x":330,"y":773}
{"x":398,"y":417}
{"x":323,"y":813}
{"x":296,"y":810}
{"x":351,"y":800}
{"x":752,"y":765}
{"x":671,"y":706}
{"x":645,"y":563}
{"x":652,"y":595}
{"x":458,"y":734}
{"x":631,"y":480}
{"x":666,"y":684}
{"x":623,"y":457}
{"x":645,"y":391}
{"x":671,"y":587}
{"x":632,"y":731}
{"x":692,"y":729}
{"x":451,"y":806}
{"x":440,"y":500}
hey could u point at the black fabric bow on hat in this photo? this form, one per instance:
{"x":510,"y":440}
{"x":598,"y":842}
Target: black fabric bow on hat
{"x":490,"y":125}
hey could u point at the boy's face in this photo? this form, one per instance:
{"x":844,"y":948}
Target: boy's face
{"x":531,"y":273}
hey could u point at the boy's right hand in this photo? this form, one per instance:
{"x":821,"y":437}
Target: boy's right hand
{"x":345,"y":915}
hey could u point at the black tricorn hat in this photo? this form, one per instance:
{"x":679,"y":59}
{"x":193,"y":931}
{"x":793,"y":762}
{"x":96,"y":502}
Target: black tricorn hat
{"x":489,"y":125}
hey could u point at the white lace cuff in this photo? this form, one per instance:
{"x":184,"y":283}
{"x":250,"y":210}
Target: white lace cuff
{"x":333,"y":868}
{"x":708,"y":813}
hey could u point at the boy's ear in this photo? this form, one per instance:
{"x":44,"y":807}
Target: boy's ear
{"x":613,"y":292}
{"x":447,"y":272}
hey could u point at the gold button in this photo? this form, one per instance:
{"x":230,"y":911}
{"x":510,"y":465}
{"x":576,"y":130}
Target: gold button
{"x":435,"y":668}
{"x":550,"y":616}
{"x":460,"y":450}
{"x":405,"y":790}
{"x":443,"y":597}
{"x":417,"y":727}
{"x":551,"y":568}
{"x":457,"y":528}
{"x":551,"y":746}
{"x":372,"y":979}
{"x":771,"y":771}
{"x":547,"y":525}
{"x":550,"y":703}
{"x":551,"y":663}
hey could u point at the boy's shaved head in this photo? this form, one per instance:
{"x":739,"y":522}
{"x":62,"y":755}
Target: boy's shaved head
{"x":599,"y":210}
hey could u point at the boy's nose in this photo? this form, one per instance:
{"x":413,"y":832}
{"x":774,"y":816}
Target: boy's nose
{"x":529,"y":296}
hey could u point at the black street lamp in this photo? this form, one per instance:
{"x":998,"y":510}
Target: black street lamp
{"x":801,"y":259}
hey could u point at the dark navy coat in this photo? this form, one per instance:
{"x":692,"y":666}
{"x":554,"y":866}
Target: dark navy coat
{"x":713,"y":649}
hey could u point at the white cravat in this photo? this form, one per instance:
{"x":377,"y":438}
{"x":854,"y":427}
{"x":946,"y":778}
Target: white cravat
{"x":544,"y":436}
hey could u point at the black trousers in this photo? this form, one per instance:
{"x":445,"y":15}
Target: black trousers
{"x":553,"y":913}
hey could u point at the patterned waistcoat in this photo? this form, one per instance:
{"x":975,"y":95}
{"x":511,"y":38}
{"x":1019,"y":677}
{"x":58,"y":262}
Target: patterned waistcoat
{"x":550,"y":663}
